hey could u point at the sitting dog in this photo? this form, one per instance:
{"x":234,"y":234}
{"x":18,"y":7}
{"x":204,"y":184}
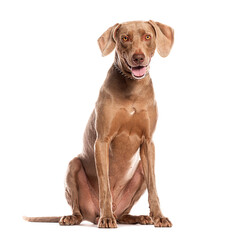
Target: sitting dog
{"x":116,"y":165}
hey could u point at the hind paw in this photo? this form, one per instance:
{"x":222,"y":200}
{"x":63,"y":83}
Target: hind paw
{"x":71,"y":220}
{"x":145,"y":220}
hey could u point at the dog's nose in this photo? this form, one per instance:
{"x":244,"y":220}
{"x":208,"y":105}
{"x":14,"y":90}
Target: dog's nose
{"x":138,"y":58}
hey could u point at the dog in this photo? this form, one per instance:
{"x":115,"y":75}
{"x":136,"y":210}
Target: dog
{"x":116,"y":165}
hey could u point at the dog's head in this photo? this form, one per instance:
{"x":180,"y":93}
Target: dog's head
{"x":135,"y":44}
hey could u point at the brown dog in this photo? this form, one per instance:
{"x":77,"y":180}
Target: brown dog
{"x":108,"y":177}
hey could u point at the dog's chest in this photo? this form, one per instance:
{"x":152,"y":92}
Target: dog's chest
{"x":132,"y":128}
{"x":133,"y":122}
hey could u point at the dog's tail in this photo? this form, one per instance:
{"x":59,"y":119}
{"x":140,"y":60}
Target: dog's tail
{"x":42,"y":219}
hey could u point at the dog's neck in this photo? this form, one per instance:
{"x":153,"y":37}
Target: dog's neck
{"x":125,"y":75}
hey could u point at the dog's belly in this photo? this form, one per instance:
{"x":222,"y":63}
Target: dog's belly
{"x":125,"y":172}
{"x":123,"y":157}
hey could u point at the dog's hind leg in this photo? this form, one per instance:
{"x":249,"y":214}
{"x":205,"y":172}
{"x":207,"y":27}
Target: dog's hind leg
{"x":72,"y":195}
{"x":78,"y":195}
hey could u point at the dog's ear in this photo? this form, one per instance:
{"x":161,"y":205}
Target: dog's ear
{"x":106,"y":42}
{"x":164,"y":38}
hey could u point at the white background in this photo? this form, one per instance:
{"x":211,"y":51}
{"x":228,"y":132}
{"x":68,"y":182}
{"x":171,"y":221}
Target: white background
{"x":51,"y":71}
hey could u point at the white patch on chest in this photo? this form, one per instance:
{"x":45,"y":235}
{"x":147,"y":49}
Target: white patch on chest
{"x":133,"y":111}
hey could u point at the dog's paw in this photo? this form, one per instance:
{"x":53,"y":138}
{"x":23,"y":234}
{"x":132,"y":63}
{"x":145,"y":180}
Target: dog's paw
{"x":71,"y":220}
{"x":145,"y":220}
{"x":162,"y":222}
{"x":107,"y":222}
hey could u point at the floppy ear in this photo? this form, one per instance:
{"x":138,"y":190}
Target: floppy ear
{"x":106,"y":42}
{"x":164,"y":38}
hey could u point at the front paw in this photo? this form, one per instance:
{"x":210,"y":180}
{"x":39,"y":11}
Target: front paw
{"x":162,"y":222}
{"x":107,"y":222}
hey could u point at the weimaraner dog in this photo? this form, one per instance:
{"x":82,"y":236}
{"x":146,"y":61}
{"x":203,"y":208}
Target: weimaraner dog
{"x":117,"y":163}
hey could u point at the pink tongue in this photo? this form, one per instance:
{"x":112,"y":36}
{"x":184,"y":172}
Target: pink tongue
{"x":139,"y":71}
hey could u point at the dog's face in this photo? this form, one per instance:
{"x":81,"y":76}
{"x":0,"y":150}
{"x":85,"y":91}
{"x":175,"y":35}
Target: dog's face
{"x":135,"y":44}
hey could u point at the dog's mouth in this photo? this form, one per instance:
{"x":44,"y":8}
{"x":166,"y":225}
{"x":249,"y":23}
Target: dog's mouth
{"x":138,"y":72}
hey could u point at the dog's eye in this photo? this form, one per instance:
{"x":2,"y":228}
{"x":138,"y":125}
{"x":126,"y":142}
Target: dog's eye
{"x":147,"y":37}
{"x":125,"y":38}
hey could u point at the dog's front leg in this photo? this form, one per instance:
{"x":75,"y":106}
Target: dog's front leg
{"x":106,"y":219}
{"x":147,"y":154}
